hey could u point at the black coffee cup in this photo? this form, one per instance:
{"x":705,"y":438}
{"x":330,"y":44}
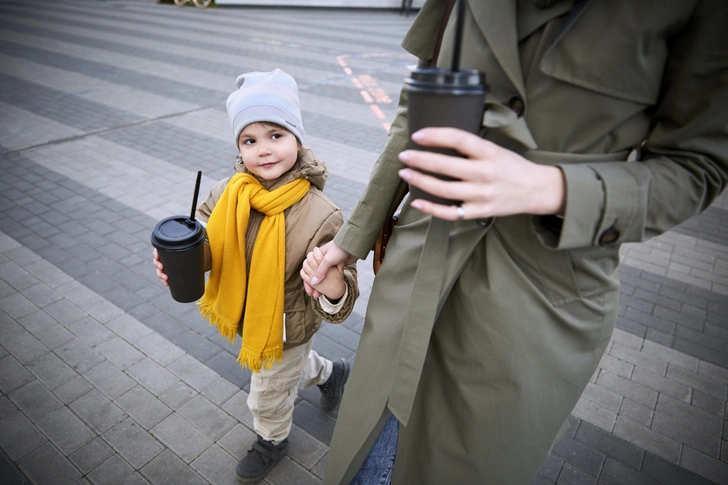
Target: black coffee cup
{"x":442,"y":97}
{"x":180,"y":245}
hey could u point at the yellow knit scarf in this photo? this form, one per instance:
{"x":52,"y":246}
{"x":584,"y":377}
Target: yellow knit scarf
{"x":225,"y":293}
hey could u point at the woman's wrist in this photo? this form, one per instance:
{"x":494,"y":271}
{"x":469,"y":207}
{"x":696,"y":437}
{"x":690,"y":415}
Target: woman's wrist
{"x":549,"y":194}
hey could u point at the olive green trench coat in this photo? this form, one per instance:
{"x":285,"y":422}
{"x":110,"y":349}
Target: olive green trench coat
{"x":480,"y":336}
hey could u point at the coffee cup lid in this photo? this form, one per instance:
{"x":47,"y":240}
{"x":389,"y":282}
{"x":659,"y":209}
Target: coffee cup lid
{"x":176,"y":231}
{"x":445,"y":81}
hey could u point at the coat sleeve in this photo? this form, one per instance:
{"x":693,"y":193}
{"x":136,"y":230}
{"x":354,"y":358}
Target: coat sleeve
{"x":326,"y":233}
{"x":361,"y":229}
{"x":684,"y":162}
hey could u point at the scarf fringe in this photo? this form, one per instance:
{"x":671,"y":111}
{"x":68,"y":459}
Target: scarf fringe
{"x":265,"y":360}
{"x":227,"y":329}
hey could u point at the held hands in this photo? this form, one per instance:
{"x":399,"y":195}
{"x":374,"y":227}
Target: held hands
{"x":332,"y":285}
{"x":160,"y":269}
{"x":328,"y":260}
{"x":492,"y":181}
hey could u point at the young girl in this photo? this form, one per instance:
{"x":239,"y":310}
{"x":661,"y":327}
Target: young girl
{"x":261,"y":224}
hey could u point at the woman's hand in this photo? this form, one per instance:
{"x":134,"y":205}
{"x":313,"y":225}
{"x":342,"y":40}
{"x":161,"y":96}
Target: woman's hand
{"x":492,"y":181}
{"x":333,"y":285}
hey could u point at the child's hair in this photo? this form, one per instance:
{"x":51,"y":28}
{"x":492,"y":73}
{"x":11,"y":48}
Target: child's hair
{"x":270,"y":97}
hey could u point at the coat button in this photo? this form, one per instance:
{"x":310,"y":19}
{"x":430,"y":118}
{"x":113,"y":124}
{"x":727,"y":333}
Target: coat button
{"x":609,"y":237}
{"x":484,"y":221}
{"x":516,"y":104}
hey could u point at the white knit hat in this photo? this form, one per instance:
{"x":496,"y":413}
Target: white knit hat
{"x":265,"y":96}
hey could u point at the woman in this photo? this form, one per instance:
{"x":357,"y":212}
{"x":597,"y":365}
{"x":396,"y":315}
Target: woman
{"x":481,"y":333}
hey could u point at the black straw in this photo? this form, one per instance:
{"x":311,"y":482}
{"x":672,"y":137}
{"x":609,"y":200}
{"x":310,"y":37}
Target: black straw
{"x":194,"y":199}
{"x":458,"y":36}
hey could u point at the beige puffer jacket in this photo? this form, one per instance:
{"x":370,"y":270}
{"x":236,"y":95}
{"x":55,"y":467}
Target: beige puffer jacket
{"x":310,"y":223}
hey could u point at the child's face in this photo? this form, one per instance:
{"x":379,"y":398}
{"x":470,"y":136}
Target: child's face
{"x":268,"y":151}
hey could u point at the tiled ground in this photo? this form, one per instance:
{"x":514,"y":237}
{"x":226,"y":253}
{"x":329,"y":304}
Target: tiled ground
{"x":107,"y":111}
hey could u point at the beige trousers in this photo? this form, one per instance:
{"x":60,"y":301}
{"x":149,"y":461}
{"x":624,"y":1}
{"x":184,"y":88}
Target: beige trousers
{"x":273,"y":391}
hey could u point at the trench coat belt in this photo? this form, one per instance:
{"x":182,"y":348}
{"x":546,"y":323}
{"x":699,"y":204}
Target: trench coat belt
{"x":419,"y":320}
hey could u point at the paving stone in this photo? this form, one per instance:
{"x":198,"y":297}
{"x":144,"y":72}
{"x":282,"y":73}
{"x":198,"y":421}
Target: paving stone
{"x":238,"y":441}
{"x":64,"y":312}
{"x":549,"y":470}
{"x":159,"y":348}
{"x":636,"y":412}
{"x":128,"y":328}
{"x":116,"y":470}
{"x":46,"y":329}
{"x":18,"y":436}
{"x":176,"y":396}
{"x":91,"y":455}
{"x":648,"y":439}
{"x":109,"y":379}
{"x":13,"y":375}
{"x":146,"y":409}
{"x":687,"y":434}
{"x":35,"y":400}
{"x":152,"y":376}
{"x":661,"y":384}
{"x":617,"y":474}
{"x":595,"y":414}
{"x":73,"y":389}
{"x":65,"y":430}
{"x":78,"y":355}
{"x":20,"y":343}
{"x":216,"y":466}
{"x":657,"y":351}
{"x":304,"y":448}
{"x":314,"y":421}
{"x":704,"y":465}
{"x":133,"y":443}
{"x":6,"y":407}
{"x":191,"y":371}
{"x":17,"y":306}
{"x":196,"y":345}
{"x":627,"y":388}
{"x":671,"y":474}
{"x":658,"y":366}
{"x":697,"y":381}
{"x":207,"y":417}
{"x":219,"y":391}
{"x":181,"y":437}
{"x":97,"y":411}
{"x":226,"y":365}
{"x":167,"y":468}
{"x":47,"y":465}
{"x":610,"y":445}
{"x":119,"y":352}
{"x":708,"y":403}
{"x":288,"y":471}
{"x":602,"y":397}
{"x":90,"y":331}
{"x":579,"y":455}
{"x":689,"y":414}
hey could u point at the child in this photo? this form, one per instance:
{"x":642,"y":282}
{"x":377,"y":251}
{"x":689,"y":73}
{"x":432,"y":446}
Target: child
{"x":261,"y":224}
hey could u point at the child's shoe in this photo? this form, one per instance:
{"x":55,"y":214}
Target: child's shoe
{"x":260,"y":460}
{"x":333,"y":388}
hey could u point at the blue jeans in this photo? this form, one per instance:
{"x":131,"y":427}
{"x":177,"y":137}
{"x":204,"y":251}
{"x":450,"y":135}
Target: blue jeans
{"x":379,"y":463}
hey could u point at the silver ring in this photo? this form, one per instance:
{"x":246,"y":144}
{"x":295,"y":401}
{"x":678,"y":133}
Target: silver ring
{"x":461,"y":212}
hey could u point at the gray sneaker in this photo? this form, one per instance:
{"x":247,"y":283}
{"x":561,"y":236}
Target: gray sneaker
{"x":260,"y":460}
{"x":333,"y":388}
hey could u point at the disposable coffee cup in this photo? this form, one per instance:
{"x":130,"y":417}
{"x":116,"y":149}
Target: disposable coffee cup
{"x":180,"y":243}
{"x":441,"y":97}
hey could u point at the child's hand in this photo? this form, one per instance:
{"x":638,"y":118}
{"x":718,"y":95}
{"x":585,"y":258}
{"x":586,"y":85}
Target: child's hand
{"x":333,"y":286}
{"x":160,"y":269}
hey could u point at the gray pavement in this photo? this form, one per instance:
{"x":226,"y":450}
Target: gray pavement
{"x":107,"y":111}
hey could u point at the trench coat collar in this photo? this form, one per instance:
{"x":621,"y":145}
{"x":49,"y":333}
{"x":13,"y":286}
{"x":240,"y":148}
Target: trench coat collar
{"x":497,"y":21}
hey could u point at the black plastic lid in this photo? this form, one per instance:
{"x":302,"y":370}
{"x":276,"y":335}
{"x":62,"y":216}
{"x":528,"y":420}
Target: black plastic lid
{"x":177,"y":231}
{"x":440,"y":80}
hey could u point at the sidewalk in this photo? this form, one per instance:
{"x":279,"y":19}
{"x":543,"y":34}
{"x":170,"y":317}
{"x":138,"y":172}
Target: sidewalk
{"x":107,"y":111}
